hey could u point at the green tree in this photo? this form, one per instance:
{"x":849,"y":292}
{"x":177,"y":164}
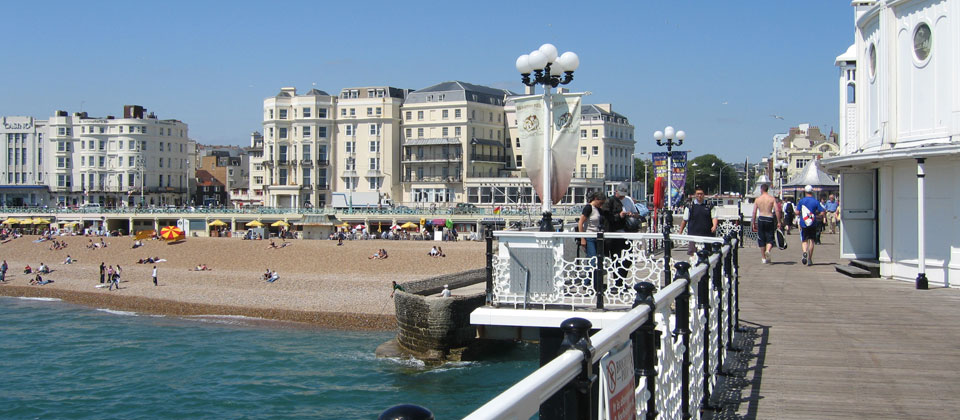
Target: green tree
{"x":704,"y":171}
{"x":639,"y":166}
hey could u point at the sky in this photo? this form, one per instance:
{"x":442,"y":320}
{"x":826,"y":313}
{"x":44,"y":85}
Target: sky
{"x":719,"y":70}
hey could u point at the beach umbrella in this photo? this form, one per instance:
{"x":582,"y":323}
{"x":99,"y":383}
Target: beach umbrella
{"x":218,"y":222}
{"x":171,"y":233}
{"x":449,"y":224}
{"x":11,"y":221}
{"x":41,"y":221}
{"x":409,"y":225}
{"x":255,"y":223}
{"x":279,"y":223}
{"x":394,"y":227}
{"x":360,"y":226}
{"x":344,"y":225}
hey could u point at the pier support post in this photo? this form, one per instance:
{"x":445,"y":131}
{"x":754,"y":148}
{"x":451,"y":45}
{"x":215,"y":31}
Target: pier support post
{"x":645,"y":341}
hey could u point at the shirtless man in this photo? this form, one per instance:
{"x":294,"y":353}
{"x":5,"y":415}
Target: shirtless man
{"x":764,"y":223}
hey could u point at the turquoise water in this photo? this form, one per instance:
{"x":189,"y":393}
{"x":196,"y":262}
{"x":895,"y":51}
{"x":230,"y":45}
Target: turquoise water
{"x":59,"y":360}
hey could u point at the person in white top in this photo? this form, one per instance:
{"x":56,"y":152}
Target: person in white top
{"x":154,"y":275}
{"x":446,"y":291}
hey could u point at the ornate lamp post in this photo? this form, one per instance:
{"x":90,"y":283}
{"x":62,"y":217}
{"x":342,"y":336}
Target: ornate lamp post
{"x":781,"y":168}
{"x":665,"y":138}
{"x":550,"y":71}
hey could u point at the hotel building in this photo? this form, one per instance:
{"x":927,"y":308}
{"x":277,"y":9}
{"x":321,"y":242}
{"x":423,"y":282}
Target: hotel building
{"x":24,"y":182}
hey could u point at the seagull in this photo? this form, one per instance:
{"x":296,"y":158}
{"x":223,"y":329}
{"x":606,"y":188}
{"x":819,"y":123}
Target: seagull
{"x":724,"y":103}
{"x":776,"y":116}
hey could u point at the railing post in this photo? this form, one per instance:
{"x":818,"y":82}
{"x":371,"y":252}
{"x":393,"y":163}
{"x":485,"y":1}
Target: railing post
{"x":488,"y":236}
{"x":728,"y":281}
{"x":736,"y":287}
{"x":406,"y":412}
{"x":577,"y":399}
{"x":645,"y":341}
{"x":703,"y":299}
{"x":598,"y":286}
{"x":667,"y":247}
{"x":717,"y":278}
{"x":740,"y":214}
{"x":682,"y":331}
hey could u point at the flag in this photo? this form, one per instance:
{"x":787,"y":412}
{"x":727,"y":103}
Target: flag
{"x":565,"y":136}
{"x":496,"y":210}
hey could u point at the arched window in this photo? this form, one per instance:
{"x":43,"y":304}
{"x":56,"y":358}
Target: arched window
{"x":851,"y":93}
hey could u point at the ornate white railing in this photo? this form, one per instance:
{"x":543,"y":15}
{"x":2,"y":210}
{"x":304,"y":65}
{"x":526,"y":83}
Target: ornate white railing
{"x":680,"y":337}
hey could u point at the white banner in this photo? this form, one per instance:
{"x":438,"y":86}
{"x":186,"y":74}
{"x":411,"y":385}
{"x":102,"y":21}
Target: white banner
{"x":563,"y":145}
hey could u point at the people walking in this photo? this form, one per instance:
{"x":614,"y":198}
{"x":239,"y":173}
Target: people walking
{"x":154,"y":275}
{"x":831,"y":207}
{"x":767,"y":217}
{"x":810,"y":210}
{"x":699,"y":218}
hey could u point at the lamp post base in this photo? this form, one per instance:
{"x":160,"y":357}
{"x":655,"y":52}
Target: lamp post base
{"x":546,"y":223}
{"x":922,"y":281}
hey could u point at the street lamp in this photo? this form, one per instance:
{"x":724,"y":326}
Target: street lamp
{"x":781,"y":168}
{"x":665,"y":138}
{"x":720,"y":178}
{"x":547,"y":68}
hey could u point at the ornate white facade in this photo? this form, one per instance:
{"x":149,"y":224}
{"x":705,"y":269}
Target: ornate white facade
{"x":901,"y":139}
{"x":116,"y":161}
{"x":22,"y":163}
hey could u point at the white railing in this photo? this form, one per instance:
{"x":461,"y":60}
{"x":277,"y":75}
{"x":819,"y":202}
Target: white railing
{"x":692,"y":318}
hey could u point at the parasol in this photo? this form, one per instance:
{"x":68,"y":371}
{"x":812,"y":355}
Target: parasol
{"x":171,"y":233}
{"x":279,"y":223}
{"x":11,"y":221}
{"x":360,"y":227}
{"x":255,"y":223}
{"x":409,"y":225}
{"x":218,"y":222}
{"x":41,"y":221}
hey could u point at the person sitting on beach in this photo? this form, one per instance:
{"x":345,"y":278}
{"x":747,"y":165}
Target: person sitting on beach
{"x":383,"y":254}
{"x":433,"y":252}
{"x":375,"y":256}
{"x":90,"y":244}
{"x":102,"y":243}
{"x":272,"y":245}
{"x":266,"y":275}
{"x":36,"y":280}
{"x":273,"y":277}
{"x":440,"y":252}
{"x":137,"y":244}
{"x":395,"y":288}
{"x":68,"y":260}
{"x":43,"y":269}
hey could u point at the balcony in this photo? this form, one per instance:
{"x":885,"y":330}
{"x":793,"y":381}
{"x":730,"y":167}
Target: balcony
{"x":589,"y":175}
{"x":433,"y":179}
{"x":306,"y":162}
{"x":322,"y":185}
{"x":477,"y":157}
{"x":433,"y":157}
{"x":282,"y":162}
{"x":323,"y":162}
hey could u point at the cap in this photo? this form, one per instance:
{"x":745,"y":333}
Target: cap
{"x":446,"y":286}
{"x":623,"y":188}
{"x":808,"y":188}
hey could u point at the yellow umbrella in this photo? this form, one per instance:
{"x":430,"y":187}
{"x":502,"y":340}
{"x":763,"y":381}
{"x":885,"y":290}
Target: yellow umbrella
{"x":218,"y":222}
{"x":11,"y":221}
{"x":280,"y":223}
{"x":27,"y":221}
{"x":255,"y":223}
{"x":41,"y":221}
{"x":409,"y":225}
{"x":344,"y":225}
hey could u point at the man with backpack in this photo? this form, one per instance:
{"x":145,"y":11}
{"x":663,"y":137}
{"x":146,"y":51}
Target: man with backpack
{"x":789,"y":211}
{"x":810,"y":211}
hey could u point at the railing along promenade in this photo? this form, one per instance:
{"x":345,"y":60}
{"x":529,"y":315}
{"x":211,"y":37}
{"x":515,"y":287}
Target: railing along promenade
{"x":677,"y":326}
{"x":531,"y":210}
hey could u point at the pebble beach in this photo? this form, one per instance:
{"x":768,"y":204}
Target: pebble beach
{"x":320,"y":283}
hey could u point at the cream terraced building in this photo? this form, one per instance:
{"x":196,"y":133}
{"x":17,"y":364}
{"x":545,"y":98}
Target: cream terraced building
{"x":116,"y":161}
{"x":368,"y":141}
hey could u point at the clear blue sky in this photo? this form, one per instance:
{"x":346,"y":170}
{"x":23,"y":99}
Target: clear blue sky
{"x":211,"y":64}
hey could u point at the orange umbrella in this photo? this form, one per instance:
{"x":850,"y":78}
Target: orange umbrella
{"x":171,"y":232}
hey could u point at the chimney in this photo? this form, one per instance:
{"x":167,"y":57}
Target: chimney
{"x":605,"y":107}
{"x":133,"y":111}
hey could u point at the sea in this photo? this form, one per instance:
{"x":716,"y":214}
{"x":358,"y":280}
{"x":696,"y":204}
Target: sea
{"x":63,"y":361}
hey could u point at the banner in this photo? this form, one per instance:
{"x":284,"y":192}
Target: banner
{"x":563,"y":145}
{"x":679,"y":178}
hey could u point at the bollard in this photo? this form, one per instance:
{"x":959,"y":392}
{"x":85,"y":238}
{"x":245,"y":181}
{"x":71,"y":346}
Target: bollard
{"x":576,"y":335}
{"x":682,"y":331}
{"x":645,"y":342}
{"x":488,"y":236}
{"x":598,"y":286}
{"x":406,"y":412}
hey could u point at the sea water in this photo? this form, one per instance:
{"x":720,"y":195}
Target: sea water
{"x":59,"y":360}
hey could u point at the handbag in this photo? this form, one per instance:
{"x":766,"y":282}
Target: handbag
{"x":780,"y":239}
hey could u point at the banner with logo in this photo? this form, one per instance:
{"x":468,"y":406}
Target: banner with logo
{"x":679,"y":178}
{"x":563,"y":145}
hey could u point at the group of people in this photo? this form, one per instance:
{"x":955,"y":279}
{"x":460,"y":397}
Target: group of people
{"x":43,"y":268}
{"x":812,"y":216}
{"x":110,"y":276}
{"x":381,"y":254}
{"x":202,"y":267}
{"x":150,"y":260}
{"x":96,"y":245}
{"x":436,"y":252}
{"x":273,"y":245}
{"x":271,"y":276}
{"x":57,"y":245}
{"x":617,"y":213}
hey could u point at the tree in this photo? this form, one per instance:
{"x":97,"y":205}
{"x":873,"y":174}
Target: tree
{"x":638,"y":174}
{"x":704,"y":171}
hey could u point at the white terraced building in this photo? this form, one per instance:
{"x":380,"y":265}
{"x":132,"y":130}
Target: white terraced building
{"x":24,"y":182}
{"x":116,"y":161}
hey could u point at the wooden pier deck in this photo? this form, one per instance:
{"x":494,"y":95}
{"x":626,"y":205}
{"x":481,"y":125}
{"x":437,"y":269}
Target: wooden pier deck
{"x":820,"y":345}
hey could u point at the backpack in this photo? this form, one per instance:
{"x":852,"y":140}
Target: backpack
{"x":780,"y":239}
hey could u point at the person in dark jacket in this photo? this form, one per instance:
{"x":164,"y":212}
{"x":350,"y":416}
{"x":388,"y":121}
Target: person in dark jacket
{"x":699,"y":218}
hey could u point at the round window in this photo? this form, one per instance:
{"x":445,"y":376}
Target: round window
{"x":873,"y":60}
{"x":921,"y":41}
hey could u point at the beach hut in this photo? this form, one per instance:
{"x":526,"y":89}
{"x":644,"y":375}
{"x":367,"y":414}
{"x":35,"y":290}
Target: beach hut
{"x":814,"y":176}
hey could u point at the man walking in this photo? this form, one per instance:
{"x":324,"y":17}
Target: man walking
{"x":810,"y":209}
{"x":154,"y":275}
{"x":3,"y":271}
{"x":764,"y":225}
{"x":700,"y":218}
{"x":103,"y":272}
{"x":831,"y":207}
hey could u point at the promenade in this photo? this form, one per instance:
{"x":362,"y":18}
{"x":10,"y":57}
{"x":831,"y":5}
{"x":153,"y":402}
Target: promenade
{"x":820,"y":345}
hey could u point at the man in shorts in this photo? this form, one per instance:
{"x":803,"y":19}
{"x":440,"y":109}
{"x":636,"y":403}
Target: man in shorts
{"x":767,"y":217}
{"x":810,"y":211}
